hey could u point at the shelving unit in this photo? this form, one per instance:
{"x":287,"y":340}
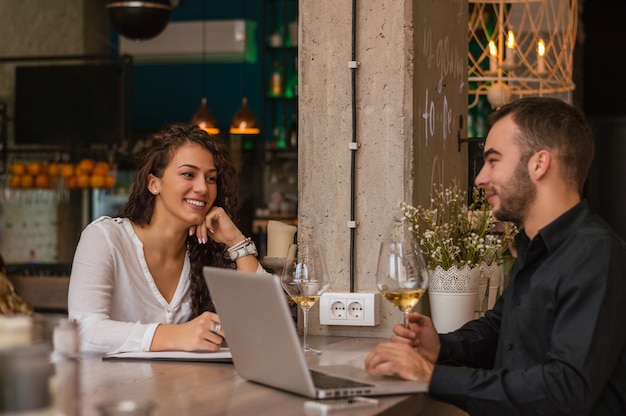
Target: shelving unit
{"x":279,"y":118}
{"x":280,"y":73}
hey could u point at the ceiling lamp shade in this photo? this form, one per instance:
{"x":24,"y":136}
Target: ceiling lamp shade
{"x":205,"y":119}
{"x":244,"y":121}
{"x":139,"y":20}
{"x":521,"y":48}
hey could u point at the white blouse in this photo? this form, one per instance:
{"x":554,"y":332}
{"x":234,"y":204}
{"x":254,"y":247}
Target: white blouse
{"x":112,"y":294}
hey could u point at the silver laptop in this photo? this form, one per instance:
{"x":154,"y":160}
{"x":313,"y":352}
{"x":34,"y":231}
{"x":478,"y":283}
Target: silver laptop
{"x":265,"y":346}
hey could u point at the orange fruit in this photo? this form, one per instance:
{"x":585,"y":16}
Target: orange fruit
{"x":71,"y":182}
{"x":18,"y":168}
{"x":101,"y":168}
{"x":86,"y":165}
{"x":33,"y":168}
{"x":67,"y":170}
{"x":54,"y":169}
{"x":16,"y":181}
{"x":42,"y":181}
{"x":97,"y":181}
{"x":109,"y":182}
{"x":82,"y":181}
{"x":27,"y":181}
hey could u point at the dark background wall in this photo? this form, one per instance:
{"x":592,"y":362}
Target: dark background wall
{"x":604,"y":103}
{"x":604,"y":58}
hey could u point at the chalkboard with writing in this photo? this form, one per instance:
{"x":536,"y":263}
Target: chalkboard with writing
{"x":440,"y":93}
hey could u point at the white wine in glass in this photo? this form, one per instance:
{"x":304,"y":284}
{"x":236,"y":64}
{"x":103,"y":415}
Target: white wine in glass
{"x":402,"y":275}
{"x":305,"y":279}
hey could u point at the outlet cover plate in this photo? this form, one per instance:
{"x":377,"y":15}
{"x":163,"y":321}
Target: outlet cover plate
{"x":350,"y":309}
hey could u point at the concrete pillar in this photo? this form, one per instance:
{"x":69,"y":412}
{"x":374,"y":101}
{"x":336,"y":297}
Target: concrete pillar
{"x":410,"y":96}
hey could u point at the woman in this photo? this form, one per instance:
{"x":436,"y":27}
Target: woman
{"x":136,"y":282}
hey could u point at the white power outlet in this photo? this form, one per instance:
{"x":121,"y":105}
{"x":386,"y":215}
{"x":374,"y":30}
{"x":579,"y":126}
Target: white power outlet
{"x":350,"y":309}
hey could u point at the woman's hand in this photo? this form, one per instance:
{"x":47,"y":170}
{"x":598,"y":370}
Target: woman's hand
{"x":199,"y":334}
{"x":219,"y":227}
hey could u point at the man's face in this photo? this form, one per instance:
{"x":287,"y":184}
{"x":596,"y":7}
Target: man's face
{"x":504,"y":176}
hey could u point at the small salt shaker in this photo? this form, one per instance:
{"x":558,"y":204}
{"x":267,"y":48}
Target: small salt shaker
{"x":66,"y":359}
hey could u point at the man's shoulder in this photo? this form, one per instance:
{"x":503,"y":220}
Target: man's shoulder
{"x":594,"y":228}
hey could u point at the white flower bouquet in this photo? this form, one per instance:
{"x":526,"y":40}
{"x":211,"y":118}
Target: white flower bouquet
{"x":452,"y":233}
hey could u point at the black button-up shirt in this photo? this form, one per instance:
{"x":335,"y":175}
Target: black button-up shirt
{"x":554,"y":343}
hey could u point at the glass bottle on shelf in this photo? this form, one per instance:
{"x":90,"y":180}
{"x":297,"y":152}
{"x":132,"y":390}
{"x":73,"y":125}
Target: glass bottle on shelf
{"x":291,"y":89}
{"x":293,"y":131}
{"x":292,"y":39}
{"x":275,"y":40}
{"x":276,"y":80}
{"x":280,"y":134}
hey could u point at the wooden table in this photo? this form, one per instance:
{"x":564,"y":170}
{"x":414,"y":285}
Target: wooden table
{"x":181,"y":388}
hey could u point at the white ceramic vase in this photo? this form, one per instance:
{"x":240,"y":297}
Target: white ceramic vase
{"x":452,"y":296}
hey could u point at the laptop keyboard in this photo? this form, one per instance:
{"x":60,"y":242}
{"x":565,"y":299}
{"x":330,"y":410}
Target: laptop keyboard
{"x":325,"y":381}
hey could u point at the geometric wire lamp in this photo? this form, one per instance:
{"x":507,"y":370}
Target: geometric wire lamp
{"x":520,"y":48}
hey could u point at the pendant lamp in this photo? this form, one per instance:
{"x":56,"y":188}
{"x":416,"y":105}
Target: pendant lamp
{"x":205,"y":119}
{"x":244,"y":121}
{"x":139,"y":20}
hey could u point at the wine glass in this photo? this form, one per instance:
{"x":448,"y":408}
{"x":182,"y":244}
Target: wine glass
{"x":304,"y":279}
{"x":402,"y":275}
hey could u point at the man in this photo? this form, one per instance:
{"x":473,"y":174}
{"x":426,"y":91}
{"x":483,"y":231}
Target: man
{"x":554,"y":343}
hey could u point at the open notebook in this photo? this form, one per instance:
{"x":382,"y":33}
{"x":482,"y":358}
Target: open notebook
{"x":221,"y":356}
{"x":265,"y":346}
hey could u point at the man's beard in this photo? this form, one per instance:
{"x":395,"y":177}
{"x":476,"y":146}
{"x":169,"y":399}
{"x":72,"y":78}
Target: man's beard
{"x":516,"y":196}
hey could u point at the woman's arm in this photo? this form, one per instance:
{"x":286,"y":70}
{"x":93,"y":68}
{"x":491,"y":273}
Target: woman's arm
{"x":104,"y":265}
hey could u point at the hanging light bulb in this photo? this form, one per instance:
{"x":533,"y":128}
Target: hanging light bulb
{"x":205,"y":119}
{"x":244,"y":121}
{"x":498,"y":94}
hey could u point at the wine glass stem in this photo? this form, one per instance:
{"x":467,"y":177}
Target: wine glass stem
{"x":305,"y":326}
{"x":406,"y":319}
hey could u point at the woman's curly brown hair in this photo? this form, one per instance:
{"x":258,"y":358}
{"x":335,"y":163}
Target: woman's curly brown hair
{"x":153,"y":158}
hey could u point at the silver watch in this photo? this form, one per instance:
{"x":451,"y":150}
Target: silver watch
{"x":246,"y":250}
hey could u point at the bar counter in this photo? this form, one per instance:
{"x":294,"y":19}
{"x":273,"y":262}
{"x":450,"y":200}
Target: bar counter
{"x":192,"y":388}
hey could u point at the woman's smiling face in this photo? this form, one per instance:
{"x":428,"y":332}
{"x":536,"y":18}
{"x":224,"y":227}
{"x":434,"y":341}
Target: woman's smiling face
{"x":188,"y":187}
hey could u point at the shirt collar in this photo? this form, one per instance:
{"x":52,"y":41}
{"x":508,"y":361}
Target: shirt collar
{"x":561,"y":228}
{"x":553,"y":234}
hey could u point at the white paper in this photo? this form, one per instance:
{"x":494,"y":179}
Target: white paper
{"x":222,"y":355}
